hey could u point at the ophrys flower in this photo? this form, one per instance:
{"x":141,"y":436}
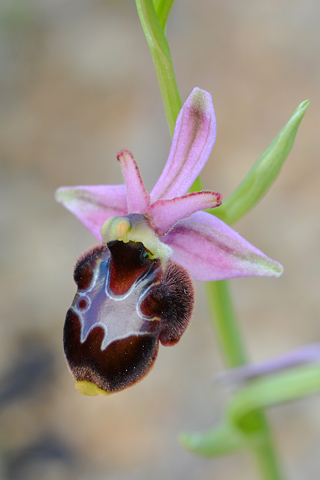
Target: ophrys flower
{"x":134,"y":288}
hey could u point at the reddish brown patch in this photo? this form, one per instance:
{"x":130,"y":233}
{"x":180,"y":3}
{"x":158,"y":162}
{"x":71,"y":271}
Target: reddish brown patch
{"x":86,"y":264}
{"x":129,"y":261}
{"x":82,"y":304}
{"x":172,"y":300}
{"x":123,"y":363}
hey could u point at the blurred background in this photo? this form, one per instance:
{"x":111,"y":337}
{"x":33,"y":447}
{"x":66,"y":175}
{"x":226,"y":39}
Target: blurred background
{"x":78,"y":85}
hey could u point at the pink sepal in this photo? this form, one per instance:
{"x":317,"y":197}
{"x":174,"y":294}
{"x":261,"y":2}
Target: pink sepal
{"x":93,"y":205}
{"x":211,"y":250}
{"x":193,"y":139}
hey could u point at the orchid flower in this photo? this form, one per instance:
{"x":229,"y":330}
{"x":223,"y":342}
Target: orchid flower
{"x":134,"y":289}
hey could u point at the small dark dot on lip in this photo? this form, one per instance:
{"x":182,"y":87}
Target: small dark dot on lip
{"x":82,"y":304}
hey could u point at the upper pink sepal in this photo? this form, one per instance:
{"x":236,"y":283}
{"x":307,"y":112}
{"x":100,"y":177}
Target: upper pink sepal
{"x":166,"y":213}
{"x":93,"y":205}
{"x":137,"y":196}
{"x":193,"y":139}
{"x":211,"y":250}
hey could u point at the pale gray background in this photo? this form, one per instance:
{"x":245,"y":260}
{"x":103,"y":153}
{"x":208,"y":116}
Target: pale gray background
{"x":78,"y":85}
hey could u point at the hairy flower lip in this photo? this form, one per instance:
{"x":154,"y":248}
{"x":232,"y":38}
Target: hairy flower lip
{"x":126,"y":303}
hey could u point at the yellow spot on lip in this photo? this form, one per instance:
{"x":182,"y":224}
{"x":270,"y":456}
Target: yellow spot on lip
{"x":123,"y":227}
{"x":115,"y":228}
{"x":90,"y":389}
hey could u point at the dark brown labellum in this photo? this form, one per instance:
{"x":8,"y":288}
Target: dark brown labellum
{"x":125,"y":303}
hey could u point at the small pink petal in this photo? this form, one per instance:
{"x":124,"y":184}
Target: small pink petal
{"x":211,"y":250}
{"x":137,"y":197}
{"x":93,"y":205}
{"x":166,"y":213}
{"x":193,"y":139}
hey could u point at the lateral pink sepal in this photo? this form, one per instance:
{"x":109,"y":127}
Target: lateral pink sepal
{"x":93,"y":205}
{"x":193,"y":139}
{"x":211,"y":250}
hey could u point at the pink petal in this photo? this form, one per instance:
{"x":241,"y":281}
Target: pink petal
{"x":93,"y":205}
{"x":137,"y":197}
{"x":193,"y":139}
{"x":211,"y":250}
{"x":166,"y":213}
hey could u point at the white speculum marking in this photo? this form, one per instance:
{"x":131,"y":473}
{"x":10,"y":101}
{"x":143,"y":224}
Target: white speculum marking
{"x":120,"y":316}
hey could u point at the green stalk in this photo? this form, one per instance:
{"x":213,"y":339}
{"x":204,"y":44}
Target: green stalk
{"x":265,"y":454}
{"x":225,"y":324}
{"x":218,"y":293}
{"x":161,"y":57}
{"x":159,"y":48}
{"x":229,"y":338}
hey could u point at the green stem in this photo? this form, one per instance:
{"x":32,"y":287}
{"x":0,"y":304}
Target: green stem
{"x":231,"y":343}
{"x":264,"y":451}
{"x":155,"y":35}
{"x":161,"y":57}
{"x":218,"y":292}
{"x":225,"y":324}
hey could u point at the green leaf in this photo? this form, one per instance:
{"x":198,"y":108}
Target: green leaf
{"x":221,"y":440}
{"x":272,"y":390}
{"x":242,"y":427}
{"x":163,"y":8}
{"x":263,"y":173}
